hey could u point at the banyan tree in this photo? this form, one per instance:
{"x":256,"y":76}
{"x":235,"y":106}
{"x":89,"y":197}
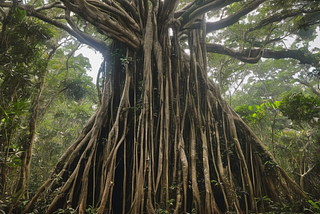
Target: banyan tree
{"x":163,"y":139}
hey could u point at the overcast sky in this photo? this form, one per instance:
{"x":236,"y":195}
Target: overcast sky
{"x":96,"y":58}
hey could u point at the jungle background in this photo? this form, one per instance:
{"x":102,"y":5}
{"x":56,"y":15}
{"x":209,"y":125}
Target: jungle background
{"x":46,"y":92}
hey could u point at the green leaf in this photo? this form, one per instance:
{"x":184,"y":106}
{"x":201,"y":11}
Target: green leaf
{"x":315,"y":205}
{"x":19,"y":14}
{"x":277,"y":103}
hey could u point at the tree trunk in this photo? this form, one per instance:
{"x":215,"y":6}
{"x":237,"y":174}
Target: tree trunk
{"x":163,"y":139}
{"x":6,"y":133}
{"x":22,"y":186}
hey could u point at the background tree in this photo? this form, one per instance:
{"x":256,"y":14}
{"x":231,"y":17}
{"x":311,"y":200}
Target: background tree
{"x":25,"y":53}
{"x":68,"y":101}
{"x":303,"y":139}
{"x":69,"y":98}
{"x":162,"y":137}
{"x":22,"y":72}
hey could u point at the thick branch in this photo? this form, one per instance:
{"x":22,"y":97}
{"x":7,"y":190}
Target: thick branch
{"x":280,"y":17}
{"x":169,"y":7}
{"x":81,"y":36}
{"x":303,"y":57}
{"x":180,"y":12}
{"x":49,"y":6}
{"x":212,"y":26}
{"x":118,"y":12}
{"x":196,"y":10}
{"x":275,"y":18}
{"x":129,"y":7}
{"x":113,"y":21}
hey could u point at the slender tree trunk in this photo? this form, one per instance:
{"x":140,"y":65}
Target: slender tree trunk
{"x":272,"y":134}
{"x":26,"y":157}
{"x":6,"y":133}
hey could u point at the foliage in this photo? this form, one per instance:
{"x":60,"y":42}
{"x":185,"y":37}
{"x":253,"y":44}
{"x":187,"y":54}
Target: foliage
{"x":251,"y":114}
{"x":91,"y":210}
{"x":301,"y":108}
{"x":23,"y":64}
{"x":67,"y":211}
{"x":23,"y":60}
{"x":69,"y":99}
{"x":315,"y":205}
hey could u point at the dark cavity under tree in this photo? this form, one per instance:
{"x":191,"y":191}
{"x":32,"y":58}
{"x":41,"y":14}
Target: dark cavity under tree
{"x":162,"y":137}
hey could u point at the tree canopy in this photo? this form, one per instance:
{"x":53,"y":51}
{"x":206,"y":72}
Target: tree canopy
{"x":264,"y":23}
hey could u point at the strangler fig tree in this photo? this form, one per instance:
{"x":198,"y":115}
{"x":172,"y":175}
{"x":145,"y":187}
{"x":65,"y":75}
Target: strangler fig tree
{"x":163,"y":139}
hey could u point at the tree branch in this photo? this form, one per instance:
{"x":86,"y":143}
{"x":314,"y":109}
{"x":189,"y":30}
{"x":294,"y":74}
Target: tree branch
{"x":118,"y":12}
{"x":180,"y":12}
{"x":49,"y":6}
{"x":95,"y":13}
{"x":303,"y":57}
{"x":168,"y":9}
{"x":274,"y":18}
{"x":212,"y":26}
{"x":309,"y":170}
{"x":100,"y":15}
{"x":129,"y":7}
{"x":309,"y":86}
{"x":220,"y":49}
{"x":81,"y":36}
{"x":190,"y":15}
{"x":279,"y":17}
